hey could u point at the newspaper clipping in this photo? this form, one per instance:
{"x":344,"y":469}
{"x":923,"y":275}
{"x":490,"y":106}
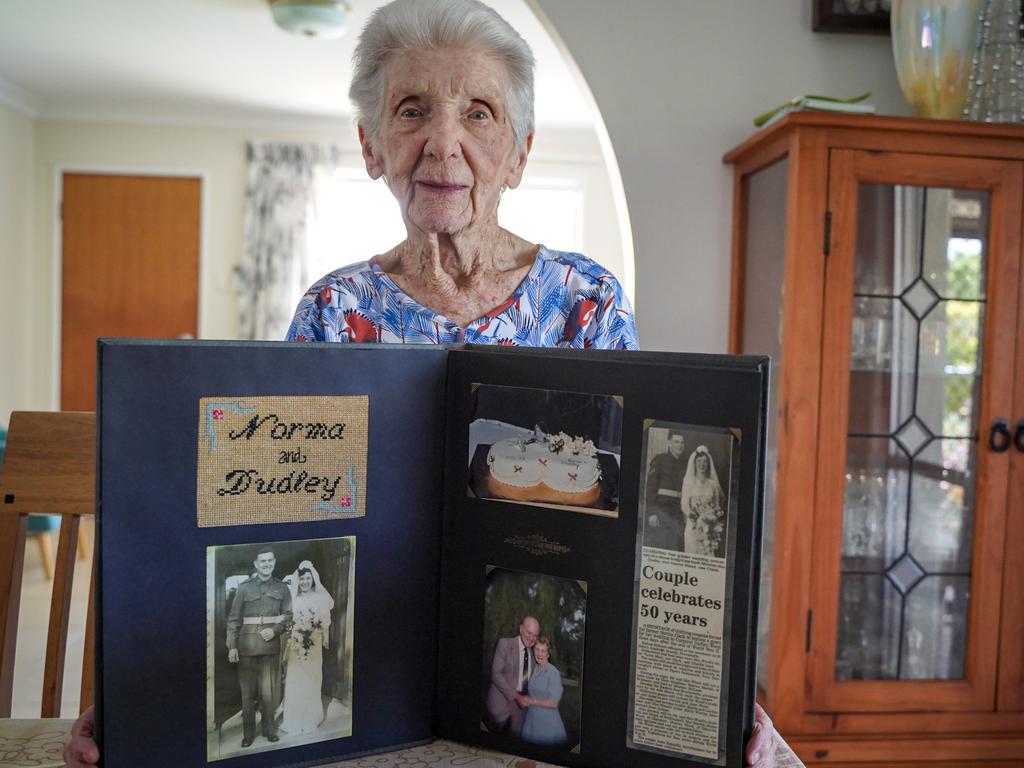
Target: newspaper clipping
{"x":681,"y":628}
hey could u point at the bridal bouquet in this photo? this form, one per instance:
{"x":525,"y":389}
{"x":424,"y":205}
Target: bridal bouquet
{"x":708,"y":524}
{"x":305,"y":623}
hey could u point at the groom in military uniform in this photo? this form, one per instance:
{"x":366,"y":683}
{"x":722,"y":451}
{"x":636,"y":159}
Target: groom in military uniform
{"x":665,"y":521}
{"x":260,"y":613}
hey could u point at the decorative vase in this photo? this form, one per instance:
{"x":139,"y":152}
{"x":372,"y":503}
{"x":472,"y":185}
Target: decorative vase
{"x":933,"y":43}
{"x":997,"y":76}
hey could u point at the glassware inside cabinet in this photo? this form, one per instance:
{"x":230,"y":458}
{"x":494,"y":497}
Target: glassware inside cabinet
{"x":916,"y":344}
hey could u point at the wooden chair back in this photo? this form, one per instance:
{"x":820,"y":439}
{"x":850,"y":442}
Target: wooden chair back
{"x":49,"y":468}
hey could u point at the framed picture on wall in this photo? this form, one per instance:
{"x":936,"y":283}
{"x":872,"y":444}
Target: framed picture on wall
{"x":865,"y":16}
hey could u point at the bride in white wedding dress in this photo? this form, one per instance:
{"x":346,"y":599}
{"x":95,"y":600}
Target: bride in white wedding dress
{"x":311,"y":623}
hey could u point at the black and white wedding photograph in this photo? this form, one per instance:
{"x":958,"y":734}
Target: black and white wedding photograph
{"x":546,"y":447}
{"x":532,"y":676}
{"x":279,"y":644}
{"x":687,"y":487}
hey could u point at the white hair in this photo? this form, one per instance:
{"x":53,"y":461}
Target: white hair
{"x":406,"y":25}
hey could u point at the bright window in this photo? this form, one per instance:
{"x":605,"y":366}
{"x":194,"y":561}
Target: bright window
{"x":356,"y":218}
{"x":545,"y":210}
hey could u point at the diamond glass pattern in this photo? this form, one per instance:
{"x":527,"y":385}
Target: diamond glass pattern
{"x":913,"y":436}
{"x":917,"y":341}
{"x":920,"y":298}
{"x":905,"y":574}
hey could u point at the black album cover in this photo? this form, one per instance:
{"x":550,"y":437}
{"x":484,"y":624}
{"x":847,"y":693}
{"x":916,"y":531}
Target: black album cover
{"x":319,"y":551}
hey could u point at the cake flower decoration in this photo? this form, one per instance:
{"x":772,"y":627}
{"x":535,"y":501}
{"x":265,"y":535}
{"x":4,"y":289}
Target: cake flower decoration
{"x":577,"y":446}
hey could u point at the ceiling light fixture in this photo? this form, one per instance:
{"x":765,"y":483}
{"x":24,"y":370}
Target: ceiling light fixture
{"x":322,"y":19}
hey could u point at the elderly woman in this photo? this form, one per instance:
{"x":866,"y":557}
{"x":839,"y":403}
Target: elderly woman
{"x":443,"y":91}
{"x":543,"y":723}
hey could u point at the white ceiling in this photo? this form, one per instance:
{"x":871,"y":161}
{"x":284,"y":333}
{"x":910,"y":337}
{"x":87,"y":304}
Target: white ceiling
{"x":210,"y":62}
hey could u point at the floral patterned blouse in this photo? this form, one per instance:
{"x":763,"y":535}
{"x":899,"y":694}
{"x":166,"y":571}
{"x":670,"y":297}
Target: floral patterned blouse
{"x":566,"y":300}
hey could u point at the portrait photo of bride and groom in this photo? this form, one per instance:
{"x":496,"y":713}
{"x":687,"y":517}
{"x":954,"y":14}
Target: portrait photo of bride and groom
{"x":533,"y":658}
{"x":686,"y":491}
{"x":279,"y":655}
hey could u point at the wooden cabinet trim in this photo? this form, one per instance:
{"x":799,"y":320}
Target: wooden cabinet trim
{"x":947,"y":137}
{"x":928,"y":144}
{"x":800,"y":370}
{"x":737,"y":276}
{"x":834,"y":750}
{"x":766,"y":156}
{"x":860,"y":723}
{"x":800,"y":137}
{"x":976,"y":692}
{"x":1011,"y":647}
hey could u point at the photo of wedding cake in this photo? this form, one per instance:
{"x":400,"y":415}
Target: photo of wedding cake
{"x":546,"y":448}
{"x":558,"y":469}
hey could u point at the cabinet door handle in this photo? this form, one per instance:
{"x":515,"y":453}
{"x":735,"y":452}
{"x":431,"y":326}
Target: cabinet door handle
{"x":1018,"y":436}
{"x":999,"y":438}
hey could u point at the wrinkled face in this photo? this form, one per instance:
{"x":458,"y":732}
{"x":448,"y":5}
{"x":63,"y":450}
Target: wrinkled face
{"x":541,"y":653}
{"x":445,"y":141}
{"x":305,"y":582}
{"x":528,"y":632}
{"x":703,"y":464}
{"x":676,"y":444}
{"x":264,"y":564}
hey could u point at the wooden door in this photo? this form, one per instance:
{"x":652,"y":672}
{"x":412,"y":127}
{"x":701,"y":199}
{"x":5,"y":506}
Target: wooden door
{"x":910,"y":508}
{"x":1011,"y":650}
{"x":130,"y":268}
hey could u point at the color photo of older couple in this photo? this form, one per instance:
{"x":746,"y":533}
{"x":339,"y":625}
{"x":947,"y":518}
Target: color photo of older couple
{"x":532,"y":676}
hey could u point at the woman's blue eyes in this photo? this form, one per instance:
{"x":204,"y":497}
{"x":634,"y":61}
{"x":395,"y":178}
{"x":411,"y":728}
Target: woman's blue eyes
{"x":476,"y":115}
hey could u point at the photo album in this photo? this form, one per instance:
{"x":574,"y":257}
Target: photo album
{"x":313,"y":552}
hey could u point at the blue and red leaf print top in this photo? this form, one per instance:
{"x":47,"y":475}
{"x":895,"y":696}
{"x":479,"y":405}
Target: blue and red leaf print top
{"x":566,"y":300}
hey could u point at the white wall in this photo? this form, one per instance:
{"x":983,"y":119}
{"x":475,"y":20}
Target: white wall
{"x":678,"y":83}
{"x":218,"y":153}
{"x":17,"y":336}
{"x":577,"y":154}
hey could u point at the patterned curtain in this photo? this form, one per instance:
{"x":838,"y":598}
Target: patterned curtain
{"x":279,"y":207}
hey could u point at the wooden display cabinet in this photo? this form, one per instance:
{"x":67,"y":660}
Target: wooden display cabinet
{"x":878,"y":260}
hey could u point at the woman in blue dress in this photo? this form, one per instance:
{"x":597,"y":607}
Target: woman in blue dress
{"x":543,"y":724}
{"x":443,"y":93}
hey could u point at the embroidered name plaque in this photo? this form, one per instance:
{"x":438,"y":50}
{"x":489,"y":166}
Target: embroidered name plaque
{"x":281,"y":459}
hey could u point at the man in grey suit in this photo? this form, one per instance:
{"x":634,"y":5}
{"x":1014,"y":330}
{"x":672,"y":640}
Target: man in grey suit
{"x":511,"y":667}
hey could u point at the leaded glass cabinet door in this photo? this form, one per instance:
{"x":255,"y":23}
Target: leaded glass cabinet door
{"x":918,"y":353}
